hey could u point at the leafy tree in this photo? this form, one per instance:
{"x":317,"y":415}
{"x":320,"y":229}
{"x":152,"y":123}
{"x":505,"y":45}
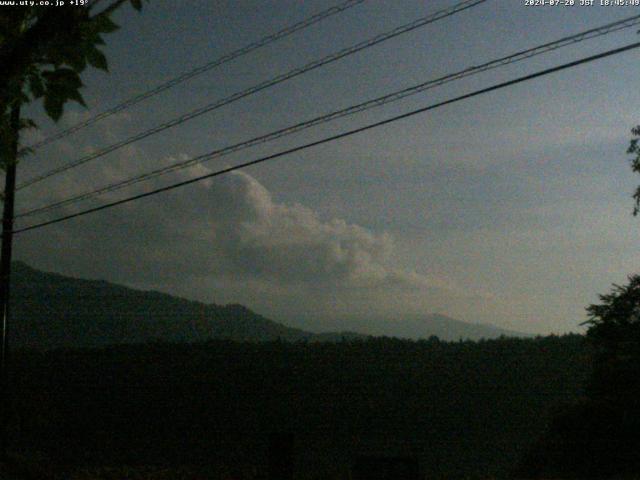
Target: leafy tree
{"x":597,"y":437}
{"x":634,"y":149}
{"x":614,"y":329}
{"x":43,"y":51}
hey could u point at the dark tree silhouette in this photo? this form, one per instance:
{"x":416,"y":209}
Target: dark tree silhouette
{"x":43,"y":51}
{"x":598,"y":437}
{"x":634,"y":149}
{"x":614,"y":329}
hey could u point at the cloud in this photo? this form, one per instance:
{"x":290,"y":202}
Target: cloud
{"x":228,"y":240}
{"x":291,"y":244}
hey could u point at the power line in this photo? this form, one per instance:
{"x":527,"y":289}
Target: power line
{"x":332,"y":138}
{"x":259,"y":87}
{"x":285,"y":32}
{"x":392,"y":97}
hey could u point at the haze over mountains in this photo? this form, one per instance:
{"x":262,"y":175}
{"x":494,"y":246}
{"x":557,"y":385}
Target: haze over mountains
{"x":52,"y":310}
{"x":415,"y":327}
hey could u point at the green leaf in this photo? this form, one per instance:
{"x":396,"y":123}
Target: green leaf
{"x":76,"y":59}
{"x":62,"y":85}
{"x":62,"y":78}
{"x":97,"y":59}
{"x":76,"y":96}
{"x":53,"y":106}
{"x":137,"y":4}
{"x":104,"y":24}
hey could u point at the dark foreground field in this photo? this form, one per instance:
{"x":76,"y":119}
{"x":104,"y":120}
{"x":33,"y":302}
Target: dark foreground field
{"x":464,"y":409}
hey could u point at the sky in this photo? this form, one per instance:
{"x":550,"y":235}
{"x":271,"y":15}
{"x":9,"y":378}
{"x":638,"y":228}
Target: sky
{"x":513,"y":208}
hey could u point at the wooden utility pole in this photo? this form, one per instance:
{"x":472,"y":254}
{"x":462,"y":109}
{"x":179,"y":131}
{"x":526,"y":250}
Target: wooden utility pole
{"x":5,"y":276}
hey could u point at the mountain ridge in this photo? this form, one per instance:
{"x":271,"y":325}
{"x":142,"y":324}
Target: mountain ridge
{"x":104,"y":313}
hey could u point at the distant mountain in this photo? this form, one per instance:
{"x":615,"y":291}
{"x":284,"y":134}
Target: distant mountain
{"x":51,"y":310}
{"x":445,"y":328}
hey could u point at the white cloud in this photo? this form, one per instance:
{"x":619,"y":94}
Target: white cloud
{"x":229,"y":240}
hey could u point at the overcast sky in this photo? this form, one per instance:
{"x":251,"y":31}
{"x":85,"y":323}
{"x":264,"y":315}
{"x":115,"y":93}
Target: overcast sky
{"x":512,"y":208}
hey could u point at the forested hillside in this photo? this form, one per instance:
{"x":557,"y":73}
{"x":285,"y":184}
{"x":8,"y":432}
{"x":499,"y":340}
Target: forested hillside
{"x":52,"y":311}
{"x":465,"y":409}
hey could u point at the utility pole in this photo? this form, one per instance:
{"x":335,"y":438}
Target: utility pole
{"x":30,"y":55}
{"x":5,"y":276}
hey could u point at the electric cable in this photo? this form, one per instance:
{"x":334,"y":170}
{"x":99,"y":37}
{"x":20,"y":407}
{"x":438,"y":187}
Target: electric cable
{"x":257,"y":88}
{"x":285,"y":32}
{"x":335,"y":137}
{"x":385,"y":99}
